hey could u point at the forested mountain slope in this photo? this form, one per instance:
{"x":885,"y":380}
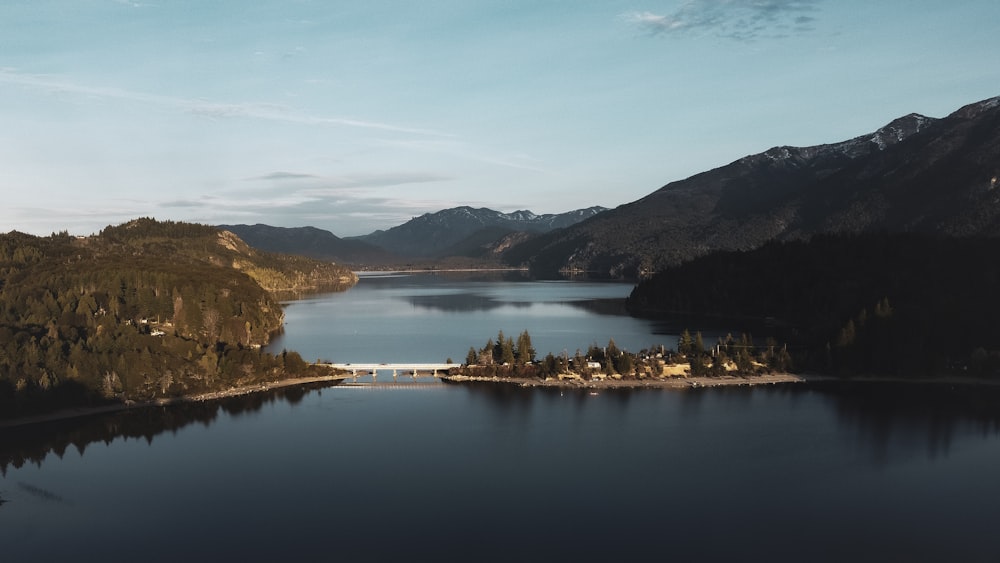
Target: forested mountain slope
{"x":877,"y":303}
{"x":144,"y":309}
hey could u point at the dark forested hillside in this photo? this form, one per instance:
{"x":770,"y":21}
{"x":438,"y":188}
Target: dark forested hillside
{"x":145,"y":309}
{"x":878,"y":303}
{"x":916,"y":174}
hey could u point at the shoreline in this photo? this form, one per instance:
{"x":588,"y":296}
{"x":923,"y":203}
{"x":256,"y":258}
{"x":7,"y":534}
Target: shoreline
{"x":676,"y":382}
{"x":78,"y":412}
{"x":650,"y":383}
{"x":679,"y":382}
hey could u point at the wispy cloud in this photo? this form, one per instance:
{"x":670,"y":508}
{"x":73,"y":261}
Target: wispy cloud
{"x":348,"y":205}
{"x":215,"y":110}
{"x":284,"y":176}
{"x":314,"y":182}
{"x":736,"y":19}
{"x":346,"y":211}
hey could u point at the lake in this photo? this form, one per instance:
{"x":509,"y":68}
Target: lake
{"x":430,"y":471}
{"x":430,"y":317}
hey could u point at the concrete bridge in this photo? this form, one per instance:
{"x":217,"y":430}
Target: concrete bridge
{"x":396,"y":369}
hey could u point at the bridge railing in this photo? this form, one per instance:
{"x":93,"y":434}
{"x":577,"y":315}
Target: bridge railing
{"x":407,"y":368}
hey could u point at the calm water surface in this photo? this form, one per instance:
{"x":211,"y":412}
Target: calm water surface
{"x":428,"y":318}
{"x":427,"y":471}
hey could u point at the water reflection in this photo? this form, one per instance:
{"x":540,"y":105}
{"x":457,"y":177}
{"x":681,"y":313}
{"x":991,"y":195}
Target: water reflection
{"x":893,"y":420}
{"x":33,"y":443}
{"x":885,"y":422}
{"x":461,"y":302}
{"x":476,"y":302}
{"x":42,"y":494}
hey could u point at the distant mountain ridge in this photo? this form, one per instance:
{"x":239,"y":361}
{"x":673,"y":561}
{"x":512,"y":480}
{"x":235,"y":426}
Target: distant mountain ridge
{"x":916,"y":174}
{"x":436,"y":234}
{"x":310,"y":242}
{"x":461,"y":231}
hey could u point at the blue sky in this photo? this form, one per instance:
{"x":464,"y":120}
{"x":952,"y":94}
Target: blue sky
{"x":356,"y":116}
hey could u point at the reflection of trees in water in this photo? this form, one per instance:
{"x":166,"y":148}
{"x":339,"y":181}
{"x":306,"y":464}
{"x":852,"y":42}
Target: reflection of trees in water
{"x":33,"y":443}
{"x":512,"y":399}
{"x":888,"y":418}
{"x":505,"y":399}
{"x":460,"y":302}
{"x":41,"y":493}
{"x":606,"y":307}
{"x":466,"y":302}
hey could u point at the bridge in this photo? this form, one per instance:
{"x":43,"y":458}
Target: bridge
{"x":396,"y":369}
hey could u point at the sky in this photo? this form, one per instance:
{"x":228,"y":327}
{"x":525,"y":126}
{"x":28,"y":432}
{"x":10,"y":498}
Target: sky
{"x":357,"y":116}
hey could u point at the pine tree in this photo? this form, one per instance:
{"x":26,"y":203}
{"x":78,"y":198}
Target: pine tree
{"x":525,"y":352}
{"x":685,"y":344}
{"x":507,"y":352}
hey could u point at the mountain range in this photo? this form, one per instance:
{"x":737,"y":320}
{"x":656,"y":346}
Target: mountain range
{"x":916,"y":174}
{"x":462,"y":231}
{"x":310,"y":242}
{"x":447,"y":233}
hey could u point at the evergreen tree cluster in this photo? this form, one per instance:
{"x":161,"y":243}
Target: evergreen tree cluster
{"x":145,"y":309}
{"x":729,"y":356}
{"x":504,"y":355}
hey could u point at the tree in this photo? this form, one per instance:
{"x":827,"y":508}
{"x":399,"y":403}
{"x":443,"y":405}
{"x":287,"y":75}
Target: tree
{"x":685,"y":344}
{"x":550,"y":365}
{"x":524,"y":351}
{"x":623,"y":363}
{"x":507,"y":352}
{"x":498,"y":348}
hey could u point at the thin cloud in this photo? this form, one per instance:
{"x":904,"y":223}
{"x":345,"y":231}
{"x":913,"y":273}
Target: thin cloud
{"x":341,"y":203}
{"x":344,"y":213}
{"x":284,"y":176}
{"x":266,"y":112}
{"x":317,"y":183}
{"x":379,"y":180}
{"x":735,"y":19}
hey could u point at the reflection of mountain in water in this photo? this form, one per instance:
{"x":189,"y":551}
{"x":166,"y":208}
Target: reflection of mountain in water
{"x":460,"y":302}
{"x":607,"y":307}
{"x":465,"y":302}
{"x":893,"y":419}
{"x":33,"y":443}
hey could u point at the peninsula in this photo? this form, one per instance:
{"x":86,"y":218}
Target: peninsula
{"x":142,"y":312}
